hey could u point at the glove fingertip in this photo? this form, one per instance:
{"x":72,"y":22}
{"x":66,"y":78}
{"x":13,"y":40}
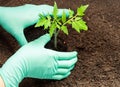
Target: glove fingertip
{"x":74,"y":53}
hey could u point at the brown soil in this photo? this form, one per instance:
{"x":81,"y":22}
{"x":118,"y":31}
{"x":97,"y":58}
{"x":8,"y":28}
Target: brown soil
{"x":98,"y":48}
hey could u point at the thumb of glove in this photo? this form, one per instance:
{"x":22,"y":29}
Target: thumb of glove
{"x":42,"y":41}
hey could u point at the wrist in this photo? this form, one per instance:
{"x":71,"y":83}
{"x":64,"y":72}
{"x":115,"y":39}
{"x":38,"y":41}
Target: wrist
{"x":1,"y":82}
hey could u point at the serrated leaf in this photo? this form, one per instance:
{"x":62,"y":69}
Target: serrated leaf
{"x":81,"y":10}
{"x":64,"y":29}
{"x":58,"y":21}
{"x":76,"y":26}
{"x":63,"y":17}
{"x":77,"y":18}
{"x":82,"y":25}
{"x":71,"y":13}
{"x":69,"y":22}
{"x":52,"y":29}
{"x":48,"y":17}
{"x":55,"y":10}
{"x":41,"y":22}
{"x":47,"y":24}
{"x":58,"y":26}
{"x":41,"y":16}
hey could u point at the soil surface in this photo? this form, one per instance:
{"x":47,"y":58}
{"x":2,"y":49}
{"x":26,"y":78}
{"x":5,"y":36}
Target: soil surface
{"x":98,"y":48}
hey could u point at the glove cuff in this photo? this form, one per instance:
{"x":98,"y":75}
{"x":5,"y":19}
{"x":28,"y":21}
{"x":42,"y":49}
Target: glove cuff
{"x":6,"y":80}
{"x":12,"y":72}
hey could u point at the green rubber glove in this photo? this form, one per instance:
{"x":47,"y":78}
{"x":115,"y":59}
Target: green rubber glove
{"x":33,"y":60}
{"x":15,"y":19}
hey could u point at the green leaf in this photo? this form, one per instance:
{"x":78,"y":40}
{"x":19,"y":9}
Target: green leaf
{"x":55,"y":10}
{"x":58,"y":21}
{"x":58,"y":26}
{"x":78,"y":18}
{"x":41,"y":16}
{"x":82,"y":25}
{"x":47,"y":24}
{"x":81,"y":10}
{"x":63,"y":17}
{"x":69,"y":22}
{"x":75,"y":26}
{"x":41,"y":22}
{"x":48,"y":17}
{"x":64,"y":29}
{"x":52,"y":29}
{"x":71,"y":13}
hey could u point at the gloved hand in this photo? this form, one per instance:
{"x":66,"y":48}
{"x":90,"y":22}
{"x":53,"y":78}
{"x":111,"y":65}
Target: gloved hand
{"x":33,"y":60}
{"x":15,"y":19}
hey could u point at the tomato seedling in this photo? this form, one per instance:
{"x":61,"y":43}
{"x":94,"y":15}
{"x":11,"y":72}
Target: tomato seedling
{"x":55,"y":24}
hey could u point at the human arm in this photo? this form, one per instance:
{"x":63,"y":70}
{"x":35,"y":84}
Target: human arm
{"x":15,"y":19}
{"x":35,"y":61}
{"x":1,"y":82}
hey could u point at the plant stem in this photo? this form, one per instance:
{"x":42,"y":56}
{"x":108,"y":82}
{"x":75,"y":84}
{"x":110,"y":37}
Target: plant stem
{"x":57,"y":31}
{"x":55,"y":38}
{"x":70,"y":19}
